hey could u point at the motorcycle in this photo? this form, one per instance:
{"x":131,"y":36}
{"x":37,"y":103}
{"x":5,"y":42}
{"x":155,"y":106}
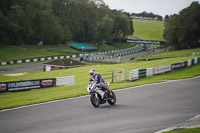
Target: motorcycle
{"x":100,"y":95}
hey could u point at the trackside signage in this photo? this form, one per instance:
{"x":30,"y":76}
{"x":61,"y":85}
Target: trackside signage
{"x":141,"y":73}
{"x":176,"y":66}
{"x":62,"y":81}
{"x":145,"y":42}
{"x":2,"y":87}
{"x":30,"y":84}
{"x":26,"y":85}
{"x":35,"y":84}
{"x":23,"y":85}
{"x":140,"y":41}
{"x":161,"y":69}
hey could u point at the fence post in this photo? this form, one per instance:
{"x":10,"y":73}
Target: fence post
{"x":112,"y":76}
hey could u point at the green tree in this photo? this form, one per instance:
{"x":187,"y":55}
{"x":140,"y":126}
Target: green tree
{"x":104,"y":30}
{"x":50,"y":31}
{"x":4,"y":29}
{"x":121,"y":25}
{"x":19,"y":26}
{"x":183,"y":30}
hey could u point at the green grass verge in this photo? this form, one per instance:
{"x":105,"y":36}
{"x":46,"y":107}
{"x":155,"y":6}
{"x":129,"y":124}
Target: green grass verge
{"x":148,"y":29}
{"x":8,"y":53}
{"x":187,"y":53}
{"x":192,"y":130}
{"x":9,"y":100}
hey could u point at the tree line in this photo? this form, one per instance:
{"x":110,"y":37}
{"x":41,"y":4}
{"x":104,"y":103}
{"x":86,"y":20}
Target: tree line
{"x":146,"y":15}
{"x":59,"y":21}
{"x":183,"y":30}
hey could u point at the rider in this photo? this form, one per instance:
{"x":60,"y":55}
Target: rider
{"x":94,"y":76}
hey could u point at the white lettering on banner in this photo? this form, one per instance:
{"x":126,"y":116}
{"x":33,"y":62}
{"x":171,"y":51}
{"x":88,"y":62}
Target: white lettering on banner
{"x":27,"y":83}
{"x":61,"y":81}
{"x":55,"y":58}
{"x":73,"y":56}
{"x":146,"y":42}
{"x":49,"y":58}
{"x":34,"y":60}
{"x":42,"y":59}
{"x":161,"y":69}
{"x":23,"y":88}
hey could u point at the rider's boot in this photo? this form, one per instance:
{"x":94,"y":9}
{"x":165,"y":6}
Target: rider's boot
{"x":110,"y":93}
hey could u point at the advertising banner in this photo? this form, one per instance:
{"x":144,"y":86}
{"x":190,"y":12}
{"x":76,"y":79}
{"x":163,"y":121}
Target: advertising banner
{"x":23,"y":85}
{"x":146,"y":42}
{"x":189,"y":63}
{"x":27,"y":85}
{"x":177,"y":66}
{"x":196,"y":60}
{"x":162,"y":69}
{"x":48,"y":83}
{"x":2,"y":87}
{"x":142,"y":73}
{"x":140,"y":41}
{"x":149,"y":72}
{"x":121,"y":74}
{"x":70,"y":80}
{"x":133,"y":75}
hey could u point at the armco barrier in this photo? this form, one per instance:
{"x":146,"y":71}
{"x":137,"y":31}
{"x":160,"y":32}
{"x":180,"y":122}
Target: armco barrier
{"x":37,"y":59}
{"x":149,"y":72}
{"x":161,"y":69}
{"x":15,"y":86}
{"x":142,"y":73}
{"x":131,"y":50}
{"x":133,"y":75}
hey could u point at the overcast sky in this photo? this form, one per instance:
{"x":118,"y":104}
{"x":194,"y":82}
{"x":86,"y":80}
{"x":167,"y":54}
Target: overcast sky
{"x":160,"y":7}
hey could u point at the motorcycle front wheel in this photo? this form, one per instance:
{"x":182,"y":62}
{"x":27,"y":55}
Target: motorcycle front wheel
{"x":113,"y":99}
{"x":94,"y":100}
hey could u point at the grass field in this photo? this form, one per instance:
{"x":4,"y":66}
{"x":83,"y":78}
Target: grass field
{"x":193,"y":130}
{"x":8,"y":53}
{"x":148,"y":29}
{"x":187,"y":53}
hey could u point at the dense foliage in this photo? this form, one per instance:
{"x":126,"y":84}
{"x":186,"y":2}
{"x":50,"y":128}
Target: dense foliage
{"x":58,"y":21}
{"x":183,"y":30}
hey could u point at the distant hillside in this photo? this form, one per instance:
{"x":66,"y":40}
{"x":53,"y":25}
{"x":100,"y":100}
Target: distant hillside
{"x":148,"y":29}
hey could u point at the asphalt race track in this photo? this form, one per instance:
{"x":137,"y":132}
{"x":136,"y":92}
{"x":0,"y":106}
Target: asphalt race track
{"x":9,"y":69}
{"x":144,"y":109}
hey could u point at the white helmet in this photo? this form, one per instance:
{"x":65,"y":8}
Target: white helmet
{"x":92,"y":72}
